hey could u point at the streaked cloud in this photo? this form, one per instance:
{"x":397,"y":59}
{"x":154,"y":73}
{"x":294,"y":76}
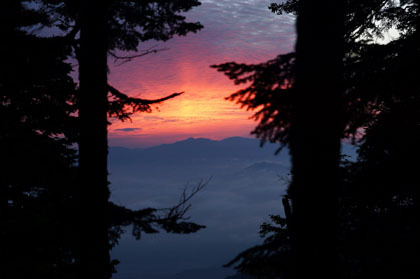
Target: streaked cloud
{"x":128,"y":130}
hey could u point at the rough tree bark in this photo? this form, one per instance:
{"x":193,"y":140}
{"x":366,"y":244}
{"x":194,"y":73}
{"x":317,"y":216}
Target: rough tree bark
{"x":316,"y":129}
{"x":93,"y":145}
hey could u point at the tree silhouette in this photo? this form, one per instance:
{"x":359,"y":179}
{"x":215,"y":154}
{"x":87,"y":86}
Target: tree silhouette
{"x":315,"y":131}
{"x":380,"y":91}
{"x":378,"y":208}
{"x":92,"y":56}
{"x":373,"y":73}
{"x":273,"y":258}
{"x":38,"y":236}
{"x":380,"y":197}
{"x":39,"y":110}
{"x":105,"y":26}
{"x":301,"y":94}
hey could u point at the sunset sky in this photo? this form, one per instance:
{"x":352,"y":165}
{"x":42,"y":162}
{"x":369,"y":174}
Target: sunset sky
{"x":234,"y":30}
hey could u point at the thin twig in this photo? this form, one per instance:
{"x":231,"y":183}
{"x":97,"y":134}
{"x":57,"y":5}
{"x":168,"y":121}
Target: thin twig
{"x":180,"y":209}
{"x":128,"y":58}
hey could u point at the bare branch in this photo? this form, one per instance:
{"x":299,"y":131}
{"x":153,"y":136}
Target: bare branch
{"x":73,"y":32}
{"x":128,"y":58}
{"x":122,"y":106}
{"x":148,"y":220}
{"x":139,"y":101}
{"x":178,"y":211}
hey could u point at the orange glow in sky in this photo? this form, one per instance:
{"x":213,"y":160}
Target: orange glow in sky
{"x":202,"y":110}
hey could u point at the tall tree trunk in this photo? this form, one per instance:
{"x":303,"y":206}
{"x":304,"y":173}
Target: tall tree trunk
{"x":93,"y":145}
{"x":315,"y":137}
{"x":414,"y":270}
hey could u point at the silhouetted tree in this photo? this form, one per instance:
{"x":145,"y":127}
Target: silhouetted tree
{"x":93,"y":143}
{"x":378,"y":207}
{"x":373,"y":73}
{"x":315,"y":133}
{"x":380,"y":197}
{"x":40,"y":106}
{"x":273,"y":258}
{"x":105,"y":26}
{"x":92,"y":56}
{"x":37,"y":206}
{"x":377,"y":77}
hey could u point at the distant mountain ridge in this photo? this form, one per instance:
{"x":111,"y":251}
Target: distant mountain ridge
{"x":196,"y":149}
{"x":200,"y":150}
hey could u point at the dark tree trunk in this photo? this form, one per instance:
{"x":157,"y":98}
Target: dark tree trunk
{"x":315,"y":137}
{"x":93,"y":145}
